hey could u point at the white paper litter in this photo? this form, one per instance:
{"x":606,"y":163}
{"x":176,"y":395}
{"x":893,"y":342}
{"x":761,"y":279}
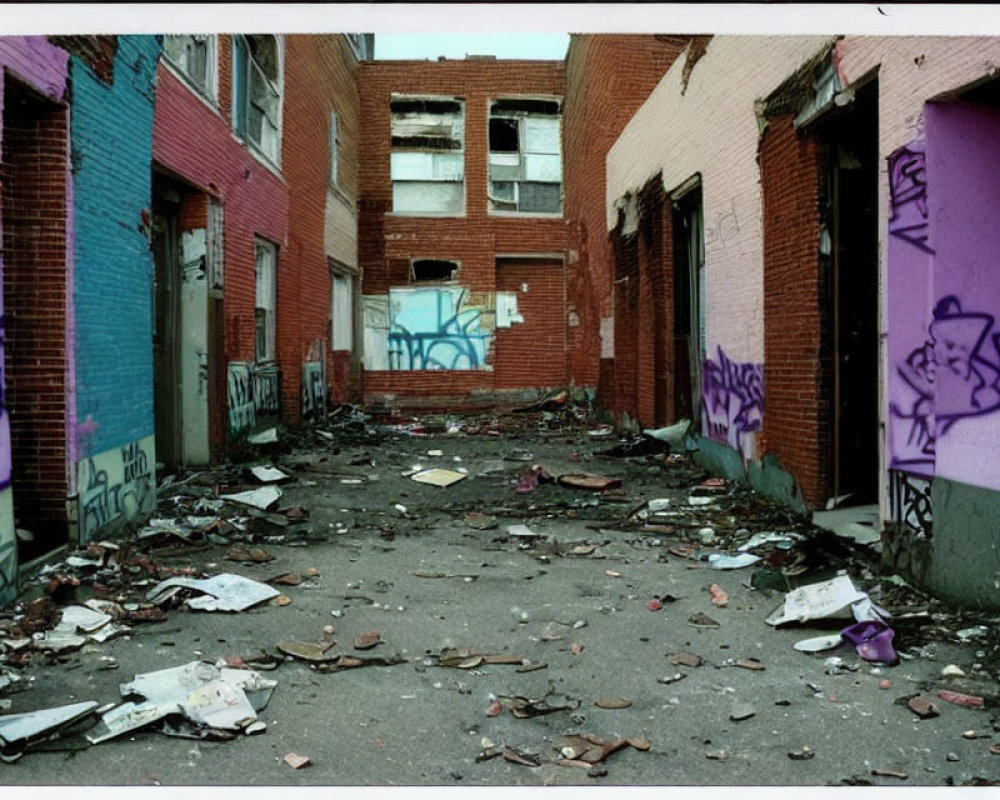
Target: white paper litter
{"x":759,"y":539}
{"x":262,"y":498}
{"x":833,"y":598}
{"x":819,"y":643}
{"x":438,"y":477}
{"x":22,"y":727}
{"x":270,"y":436}
{"x":225,"y":592}
{"x":268,"y":474}
{"x":522,"y":531}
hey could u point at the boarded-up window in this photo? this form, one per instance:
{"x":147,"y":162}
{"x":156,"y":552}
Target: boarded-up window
{"x":427,"y":162}
{"x":525,"y":156}
{"x":343,"y":312}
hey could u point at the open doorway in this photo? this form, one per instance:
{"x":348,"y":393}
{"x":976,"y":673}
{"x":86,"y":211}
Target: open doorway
{"x":849,"y":244}
{"x":689,"y":293}
{"x":36,"y":397}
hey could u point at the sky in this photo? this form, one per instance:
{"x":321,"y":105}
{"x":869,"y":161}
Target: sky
{"x":521,"y":45}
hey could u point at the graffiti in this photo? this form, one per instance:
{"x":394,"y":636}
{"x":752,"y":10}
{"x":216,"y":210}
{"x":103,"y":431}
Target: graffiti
{"x":313,"y":389}
{"x":908,"y":196}
{"x":910,"y":501}
{"x":252,"y":393}
{"x":266,"y":391}
{"x":430,"y":329}
{"x":724,"y":228}
{"x":105,"y":499}
{"x":240,"y":398}
{"x":954,"y":375}
{"x":732,"y":402}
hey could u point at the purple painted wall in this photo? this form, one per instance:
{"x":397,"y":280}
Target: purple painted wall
{"x":944,"y":298}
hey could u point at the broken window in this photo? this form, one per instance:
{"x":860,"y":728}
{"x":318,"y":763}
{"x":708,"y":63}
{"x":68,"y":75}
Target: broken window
{"x":363,"y":45}
{"x":427,"y":161}
{"x":265,"y":305}
{"x":193,"y":55}
{"x":257,"y":91}
{"x":432,"y":269}
{"x":525,"y":156}
{"x":342,"y":336}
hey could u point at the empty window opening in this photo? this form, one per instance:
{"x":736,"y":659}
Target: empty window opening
{"x":432,"y":269}
{"x":525,"y":161}
{"x":427,"y":162}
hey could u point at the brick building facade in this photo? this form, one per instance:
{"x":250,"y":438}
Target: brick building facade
{"x":464,"y":242}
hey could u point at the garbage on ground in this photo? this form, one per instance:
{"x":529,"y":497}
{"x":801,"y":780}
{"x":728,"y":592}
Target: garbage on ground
{"x":674,"y":435}
{"x":207,"y":695}
{"x":295,"y":761}
{"x":307,"y":651}
{"x":922,"y":706}
{"x":522,"y":532}
{"x":269,"y":474}
{"x":817,"y":644}
{"x":784,"y":541}
{"x":719,"y":561}
{"x":270,"y":436}
{"x":967,"y":700}
{"x":587,"y":481}
{"x":588,"y":749}
{"x":532,"y":479}
{"x":700,"y":620}
{"x":952,"y":671}
{"x":685,"y":659}
{"x":719,"y":597}
{"x":225,"y":592}
{"x":439,"y":477}
{"x":18,"y":732}
{"x":367,"y":640}
{"x":612,"y":703}
{"x":872,"y":639}
{"x":834,"y":598}
{"x":262,"y":498}
{"x":467,"y":658}
{"x":526,"y":708}
{"x":339,"y":663}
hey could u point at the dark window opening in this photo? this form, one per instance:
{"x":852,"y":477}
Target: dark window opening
{"x":526,"y":106}
{"x":418,"y":106}
{"x":503,"y":135}
{"x":432,"y":269}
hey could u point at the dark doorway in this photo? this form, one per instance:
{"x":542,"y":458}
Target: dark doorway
{"x":167,"y":310}
{"x":35,"y":302}
{"x":850,"y":247}
{"x":689,"y":280}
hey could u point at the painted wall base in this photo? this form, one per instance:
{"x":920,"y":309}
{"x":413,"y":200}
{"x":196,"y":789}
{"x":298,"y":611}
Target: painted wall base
{"x":116,"y":486}
{"x":8,"y":549}
{"x":960,"y":563}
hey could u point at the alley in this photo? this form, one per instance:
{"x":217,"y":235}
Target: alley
{"x":517,"y":626}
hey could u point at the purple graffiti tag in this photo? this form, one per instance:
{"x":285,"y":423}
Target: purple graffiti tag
{"x":732,"y":401}
{"x":908,"y":196}
{"x":953,"y":374}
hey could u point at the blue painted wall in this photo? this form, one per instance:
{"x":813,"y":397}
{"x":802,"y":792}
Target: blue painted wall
{"x":112,"y":139}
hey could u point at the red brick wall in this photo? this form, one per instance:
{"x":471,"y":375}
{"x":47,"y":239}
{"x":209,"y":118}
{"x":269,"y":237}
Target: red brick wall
{"x":387,"y":243}
{"x":531,"y":353}
{"x":319,"y":78}
{"x":608,"y":77}
{"x":796,"y":379}
{"x":34,"y":288}
{"x":196,"y":144}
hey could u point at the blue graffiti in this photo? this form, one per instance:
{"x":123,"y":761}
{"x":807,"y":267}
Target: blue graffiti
{"x":953,"y":375}
{"x":428,"y":331}
{"x":732,"y":401}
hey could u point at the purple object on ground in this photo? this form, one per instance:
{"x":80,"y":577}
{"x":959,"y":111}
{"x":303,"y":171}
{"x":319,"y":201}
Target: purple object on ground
{"x":872,"y":639}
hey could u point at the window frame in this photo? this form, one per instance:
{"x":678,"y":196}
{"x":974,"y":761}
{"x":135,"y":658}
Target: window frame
{"x":343,"y":328}
{"x":335,"y":144}
{"x":243,"y":62}
{"x":522,"y":151}
{"x":270,"y":354}
{"x":393,"y":150}
{"x":210,"y":91}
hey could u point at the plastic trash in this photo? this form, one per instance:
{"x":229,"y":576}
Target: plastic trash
{"x":819,"y":643}
{"x":872,"y":639}
{"x":719,"y":561}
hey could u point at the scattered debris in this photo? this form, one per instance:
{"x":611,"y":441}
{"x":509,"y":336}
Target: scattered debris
{"x":224,"y":592}
{"x":18,"y":732}
{"x":367,"y":640}
{"x":439,"y":477}
{"x":967,"y":700}
{"x":262,"y":498}
{"x":685,"y":659}
{"x":719,"y":597}
{"x":801,"y":755}
{"x":821,"y":600}
{"x":593,"y":483}
{"x":295,"y":761}
{"x":612,"y":702}
{"x":922,"y":706}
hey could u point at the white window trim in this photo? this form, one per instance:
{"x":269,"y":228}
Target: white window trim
{"x":255,"y":150}
{"x":351,"y":277}
{"x":272,"y":334}
{"x":210,"y":95}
